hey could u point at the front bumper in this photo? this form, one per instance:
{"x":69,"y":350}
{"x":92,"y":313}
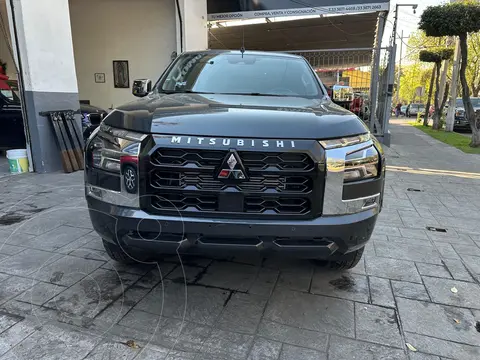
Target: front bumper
{"x":341,"y":219}
{"x":461,"y":123}
{"x":322,"y":238}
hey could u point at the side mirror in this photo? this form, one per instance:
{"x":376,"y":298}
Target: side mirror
{"x":141,"y":87}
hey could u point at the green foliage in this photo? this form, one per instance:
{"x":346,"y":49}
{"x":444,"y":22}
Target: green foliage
{"x":443,"y":120}
{"x":451,"y":138}
{"x":452,"y":19}
{"x":473,"y":64}
{"x":418,"y":41}
{"x":417,"y":73}
{"x":412,"y":76}
{"x":419,"y":118}
{"x":436,"y":55}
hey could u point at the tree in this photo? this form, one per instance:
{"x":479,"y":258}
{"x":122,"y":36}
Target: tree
{"x":473,"y":65}
{"x":419,"y":41}
{"x":435,"y":56}
{"x":413,"y":76}
{"x":456,"y":19}
{"x":429,"y":96}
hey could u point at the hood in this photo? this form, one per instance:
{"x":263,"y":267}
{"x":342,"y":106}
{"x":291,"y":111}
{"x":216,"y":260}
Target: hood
{"x":236,"y":116}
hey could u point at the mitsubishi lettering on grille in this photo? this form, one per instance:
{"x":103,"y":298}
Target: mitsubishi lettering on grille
{"x":232,"y":168}
{"x":238,"y":143}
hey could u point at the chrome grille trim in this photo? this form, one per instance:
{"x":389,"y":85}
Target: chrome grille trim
{"x":333,"y":199}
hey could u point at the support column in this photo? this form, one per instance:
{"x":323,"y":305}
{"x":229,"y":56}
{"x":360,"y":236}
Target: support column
{"x":42,"y":41}
{"x":192,"y":32}
{"x":376,"y":71}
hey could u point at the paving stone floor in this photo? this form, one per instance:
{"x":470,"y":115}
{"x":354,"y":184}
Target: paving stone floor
{"x":62,"y":298}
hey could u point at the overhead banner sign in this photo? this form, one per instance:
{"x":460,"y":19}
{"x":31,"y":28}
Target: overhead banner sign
{"x":251,"y":9}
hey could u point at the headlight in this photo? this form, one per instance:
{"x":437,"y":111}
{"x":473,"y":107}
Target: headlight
{"x":111,"y":149}
{"x":338,"y":143}
{"x":362,"y":165}
{"x":349,"y":161}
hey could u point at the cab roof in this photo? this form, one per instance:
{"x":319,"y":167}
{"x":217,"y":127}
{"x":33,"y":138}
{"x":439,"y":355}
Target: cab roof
{"x":246,"y":52}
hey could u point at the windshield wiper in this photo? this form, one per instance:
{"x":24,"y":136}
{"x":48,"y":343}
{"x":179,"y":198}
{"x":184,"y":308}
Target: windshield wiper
{"x":216,"y":93}
{"x":185,"y":92}
{"x":255,"y":94}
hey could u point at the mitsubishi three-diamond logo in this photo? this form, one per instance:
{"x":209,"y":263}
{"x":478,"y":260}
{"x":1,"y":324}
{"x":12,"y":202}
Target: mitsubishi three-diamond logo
{"x":232,"y":168}
{"x":232,"y":162}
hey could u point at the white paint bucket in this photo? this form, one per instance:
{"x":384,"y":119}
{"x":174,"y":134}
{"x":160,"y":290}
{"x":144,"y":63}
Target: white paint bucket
{"x":17,"y":161}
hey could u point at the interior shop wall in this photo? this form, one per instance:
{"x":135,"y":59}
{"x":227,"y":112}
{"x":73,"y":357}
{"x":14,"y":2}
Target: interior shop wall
{"x":5,"y":54}
{"x":140,"y":31}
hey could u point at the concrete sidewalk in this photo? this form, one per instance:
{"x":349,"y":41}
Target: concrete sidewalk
{"x":61,"y":297}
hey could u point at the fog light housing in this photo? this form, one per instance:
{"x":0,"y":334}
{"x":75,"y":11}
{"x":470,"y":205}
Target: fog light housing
{"x":369,"y":203}
{"x":130,"y":179}
{"x":95,"y":192}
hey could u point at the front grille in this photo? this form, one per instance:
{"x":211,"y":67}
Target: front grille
{"x":276,"y":205}
{"x":183,"y":157}
{"x":287,"y":184}
{"x":166,"y":201}
{"x":251,"y":159}
{"x":282,"y":161}
{"x":206,"y":181}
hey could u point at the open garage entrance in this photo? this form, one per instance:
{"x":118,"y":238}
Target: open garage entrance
{"x":78,"y":57}
{"x":12,"y":131}
{"x":116,"y":41}
{"x":345,"y":51}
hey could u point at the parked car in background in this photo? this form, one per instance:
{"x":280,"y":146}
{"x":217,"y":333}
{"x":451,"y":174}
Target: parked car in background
{"x":461,"y":122}
{"x":415,"y":109}
{"x":403,"y":110}
{"x":12,"y":134}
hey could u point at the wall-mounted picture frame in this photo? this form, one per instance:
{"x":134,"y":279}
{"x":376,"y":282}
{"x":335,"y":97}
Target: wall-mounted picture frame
{"x":121,"y":76}
{"x":99,"y":77}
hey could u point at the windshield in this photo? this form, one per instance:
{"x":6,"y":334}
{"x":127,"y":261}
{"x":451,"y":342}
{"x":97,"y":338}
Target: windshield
{"x":475,"y":102}
{"x":236,"y":74}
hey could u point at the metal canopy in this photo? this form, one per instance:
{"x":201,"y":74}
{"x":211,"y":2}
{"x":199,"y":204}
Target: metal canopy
{"x":334,"y":32}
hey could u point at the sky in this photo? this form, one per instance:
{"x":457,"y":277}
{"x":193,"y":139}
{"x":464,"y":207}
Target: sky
{"x":407,"y":20}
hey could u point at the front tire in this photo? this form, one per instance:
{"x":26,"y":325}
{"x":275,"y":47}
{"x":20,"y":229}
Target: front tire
{"x":117,"y":254}
{"x":345,"y":262}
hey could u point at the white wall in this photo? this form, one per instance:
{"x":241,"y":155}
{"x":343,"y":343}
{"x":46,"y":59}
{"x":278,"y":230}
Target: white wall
{"x":45,"y":44}
{"x":140,"y":31}
{"x":195,"y":32}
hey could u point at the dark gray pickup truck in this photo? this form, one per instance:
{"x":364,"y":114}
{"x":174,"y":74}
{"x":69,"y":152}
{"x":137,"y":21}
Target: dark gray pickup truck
{"x":234,"y":152}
